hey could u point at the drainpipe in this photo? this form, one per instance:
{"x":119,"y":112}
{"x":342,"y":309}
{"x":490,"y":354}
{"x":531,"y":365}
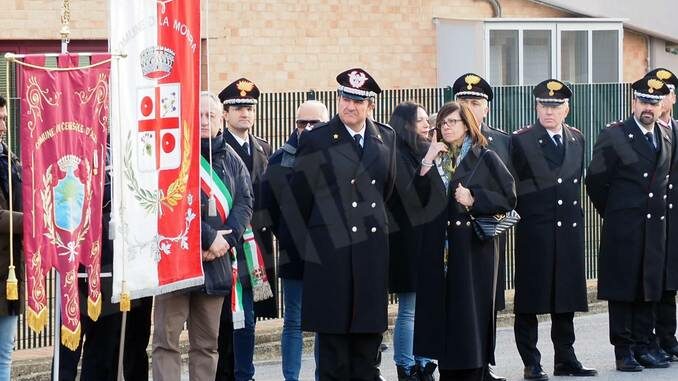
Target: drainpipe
{"x":648,"y":59}
{"x":496,"y":8}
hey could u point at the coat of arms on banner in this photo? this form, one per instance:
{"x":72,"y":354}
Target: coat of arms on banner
{"x":159,"y":137}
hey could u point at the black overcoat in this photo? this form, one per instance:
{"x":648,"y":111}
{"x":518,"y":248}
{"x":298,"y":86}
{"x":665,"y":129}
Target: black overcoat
{"x":671,"y":272}
{"x":342,"y":196}
{"x":256,"y":164}
{"x":278,"y":200}
{"x":627,"y":182}
{"x":550,"y":275}
{"x":405,"y":222}
{"x":499,"y":142}
{"x":454,"y":318}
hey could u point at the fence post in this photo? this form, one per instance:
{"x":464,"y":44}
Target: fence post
{"x":447,"y":94}
{"x":310,"y":95}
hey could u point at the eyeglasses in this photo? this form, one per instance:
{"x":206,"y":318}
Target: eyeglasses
{"x":301,"y":123}
{"x":450,"y":122}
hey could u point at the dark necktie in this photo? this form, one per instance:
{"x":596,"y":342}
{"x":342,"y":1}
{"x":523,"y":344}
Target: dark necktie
{"x":246,"y":148}
{"x":358,"y":138}
{"x":650,"y":139}
{"x":559,"y":144}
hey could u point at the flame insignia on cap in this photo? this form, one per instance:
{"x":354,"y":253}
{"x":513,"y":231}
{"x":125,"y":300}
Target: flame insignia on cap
{"x":553,"y":86}
{"x":244,"y":87}
{"x":357,"y":78}
{"x":654,"y":84}
{"x":471,"y":80}
{"x":663,"y":74}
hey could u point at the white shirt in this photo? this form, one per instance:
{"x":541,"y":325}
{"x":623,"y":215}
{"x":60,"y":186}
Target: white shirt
{"x":644,"y":131}
{"x":553,"y":133}
{"x":242,"y":141}
{"x":354,"y":133}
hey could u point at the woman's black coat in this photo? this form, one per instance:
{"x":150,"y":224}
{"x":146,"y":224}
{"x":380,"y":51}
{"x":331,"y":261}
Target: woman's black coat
{"x":454,"y":317}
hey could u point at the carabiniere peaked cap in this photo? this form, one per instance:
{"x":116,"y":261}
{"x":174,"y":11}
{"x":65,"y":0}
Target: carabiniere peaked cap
{"x":551,"y":92}
{"x":471,"y":85}
{"x":357,"y":84}
{"x":649,"y":89}
{"x":665,"y":75}
{"x":240,"y":92}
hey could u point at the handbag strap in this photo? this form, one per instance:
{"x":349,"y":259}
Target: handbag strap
{"x":475,"y":167}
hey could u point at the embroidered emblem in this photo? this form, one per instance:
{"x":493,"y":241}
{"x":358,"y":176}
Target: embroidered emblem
{"x":357,"y":78}
{"x":244,"y":87}
{"x":553,"y":86}
{"x":471,"y":80}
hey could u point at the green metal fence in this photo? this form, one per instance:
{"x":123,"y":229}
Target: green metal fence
{"x":591,"y":108}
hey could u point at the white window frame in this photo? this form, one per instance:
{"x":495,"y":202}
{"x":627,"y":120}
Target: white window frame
{"x":556,"y":26}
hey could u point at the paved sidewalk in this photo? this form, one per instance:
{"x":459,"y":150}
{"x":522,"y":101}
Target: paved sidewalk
{"x":592,"y":346}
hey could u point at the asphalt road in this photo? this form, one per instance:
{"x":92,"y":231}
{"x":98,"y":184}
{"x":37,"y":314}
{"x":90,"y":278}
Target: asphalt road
{"x":592,"y":347}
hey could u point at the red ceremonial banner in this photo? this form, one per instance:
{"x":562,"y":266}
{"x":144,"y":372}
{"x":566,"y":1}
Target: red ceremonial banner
{"x":64,"y":121}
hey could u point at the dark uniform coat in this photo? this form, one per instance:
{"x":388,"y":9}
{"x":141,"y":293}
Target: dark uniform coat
{"x":342,"y":197}
{"x":499,"y":142}
{"x":278,"y":200}
{"x":549,"y":242}
{"x":405,"y":221}
{"x":627,"y":181}
{"x":454,"y":318}
{"x":671,"y":272}
{"x":256,"y":164}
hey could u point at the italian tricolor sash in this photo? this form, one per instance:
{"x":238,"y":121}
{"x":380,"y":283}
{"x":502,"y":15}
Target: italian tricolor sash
{"x":212,"y":185}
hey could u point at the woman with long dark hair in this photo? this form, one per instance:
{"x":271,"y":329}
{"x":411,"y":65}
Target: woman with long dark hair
{"x":410,"y":122}
{"x":459,"y":179}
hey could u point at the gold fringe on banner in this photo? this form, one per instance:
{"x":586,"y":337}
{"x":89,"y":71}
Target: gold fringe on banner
{"x":37,"y":320}
{"x":12,"y":285}
{"x":70,"y":339}
{"x":94,"y":308}
{"x":125,"y":303}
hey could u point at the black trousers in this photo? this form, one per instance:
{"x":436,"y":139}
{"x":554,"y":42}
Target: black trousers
{"x":462,"y":374}
{"x":562,"y":336}
{"x":226,"y":364}
{"x":351,"y":356}
{"x":100,"y":342}
{"x":665,"y":320}
{"x":630,"y":326}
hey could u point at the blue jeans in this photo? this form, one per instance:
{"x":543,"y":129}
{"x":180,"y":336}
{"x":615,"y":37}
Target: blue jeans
{"x":243,"y":340}
{"x":7,"y":333}
{"x":292,"y":340}
{"x":403,"y":333}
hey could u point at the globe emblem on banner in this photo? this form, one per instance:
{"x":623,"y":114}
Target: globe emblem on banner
{"x":159,"y":135}
{"x":69,"y":196}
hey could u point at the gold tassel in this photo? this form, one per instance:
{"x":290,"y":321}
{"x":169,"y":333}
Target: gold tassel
{"x":12,"y":285}
{"x":212,"y":206}
{"x":94,"y":308}
{"x":124,"y":301}
{"x":37,"y":320}
{"x":70,"y":339}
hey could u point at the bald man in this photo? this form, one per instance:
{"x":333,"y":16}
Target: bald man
{"x":287,"y":225}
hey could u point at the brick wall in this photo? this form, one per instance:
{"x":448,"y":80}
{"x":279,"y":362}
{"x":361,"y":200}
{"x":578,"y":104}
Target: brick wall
{"x":298,"y":45}
{"x":635,"y":56}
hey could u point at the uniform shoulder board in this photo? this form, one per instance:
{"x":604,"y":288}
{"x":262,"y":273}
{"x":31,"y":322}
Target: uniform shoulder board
{"x":574,"y":129}
{"x":316,"y":127}
{"x":618,"y":123}
{"x":383,"y":125}
{"x":261,"y":140}
{"x":522,"y":130}
{"x":499,"y":130}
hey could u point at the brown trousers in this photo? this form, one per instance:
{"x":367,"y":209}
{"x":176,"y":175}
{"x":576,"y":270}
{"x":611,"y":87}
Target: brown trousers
{"x":201,"y":312}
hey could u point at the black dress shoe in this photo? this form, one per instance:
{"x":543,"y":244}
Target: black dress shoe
{"x":660,"y":354}
{"x":535,"y":372}
{"x":672,"y":351}
{"x":426,"y":372}
{"x":648,"y":361}
{"x":490,"y":376}
{"x":573,"y":369}
{"x":628,"y":364}
{"x":408,"y":375}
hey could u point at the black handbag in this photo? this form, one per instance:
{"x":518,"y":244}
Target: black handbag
{"x":488,"y":227}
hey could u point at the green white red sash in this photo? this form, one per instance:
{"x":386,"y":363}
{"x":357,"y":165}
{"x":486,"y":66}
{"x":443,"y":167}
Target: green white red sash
{"x":212,"y":185}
